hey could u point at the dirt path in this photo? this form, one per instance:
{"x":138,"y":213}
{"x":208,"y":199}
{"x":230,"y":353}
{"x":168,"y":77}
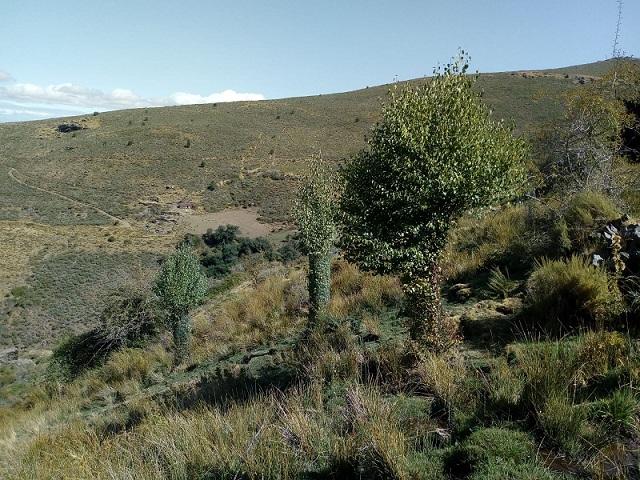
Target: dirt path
{"x":121,"y":222}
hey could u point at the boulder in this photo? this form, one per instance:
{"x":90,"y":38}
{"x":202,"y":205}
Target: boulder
{"x":68,"y":127}
{"x":8,"y":355}
{"x":460,"y":292}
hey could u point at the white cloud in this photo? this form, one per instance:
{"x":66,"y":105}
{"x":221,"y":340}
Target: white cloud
{"x":183,"y":98}
{"x":19,"y":111}
{"x":67,"y":96}
{"x":4,"y":76}
{"x":70,"y":94}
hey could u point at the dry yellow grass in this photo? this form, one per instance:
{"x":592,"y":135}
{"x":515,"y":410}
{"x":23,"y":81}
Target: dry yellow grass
{"x":24,"y":241}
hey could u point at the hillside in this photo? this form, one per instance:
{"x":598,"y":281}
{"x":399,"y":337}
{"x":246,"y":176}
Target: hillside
{"x":238,"y":356}
{"x":84,"y":212}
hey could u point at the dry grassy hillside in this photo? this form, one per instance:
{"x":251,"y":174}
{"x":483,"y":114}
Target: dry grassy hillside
{"x":81,"y":211}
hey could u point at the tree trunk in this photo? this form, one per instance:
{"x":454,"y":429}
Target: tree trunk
{"x":319,"y":285}
{"x":429,"y":326}
{"x":181,"y":337}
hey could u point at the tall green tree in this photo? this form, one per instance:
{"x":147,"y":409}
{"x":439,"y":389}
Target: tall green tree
{"x":180,"y":286}
{"x":436,"y":153}
{"x":314,"y":211}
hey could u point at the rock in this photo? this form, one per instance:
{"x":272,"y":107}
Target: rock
{"x":460,"y":292}
{"x":505,"y":309}
{"x":596,"y":260}
{"x":68,"y":127}
{"x":8,"y":354}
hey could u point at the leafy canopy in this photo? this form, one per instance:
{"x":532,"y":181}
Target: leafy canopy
{"x":180,"y":284}
{"x":436,"y":153}
{"x":315,"y":209}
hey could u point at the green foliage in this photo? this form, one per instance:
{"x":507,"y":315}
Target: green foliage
{"x":618,"y":413}
{"x":567,"y":294}
{"x":226,"y":248}
{"x":563,"y":423}
{"x":500,"y":283}
{"x":221,"y":236}
{"x":584,"y":212}
{"x":315,"y":209}
{"x":497,"y":444}
{"x":582,"y":147}
{"x":436,"y":153}
{"x":315,"y":213}
{"x":515,"y":471}
{"x":180,"y":286}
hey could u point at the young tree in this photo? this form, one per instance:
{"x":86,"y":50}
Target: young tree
{"x":436,"y":153}
{"x":180,"y":285}
{"x":315,"y":211}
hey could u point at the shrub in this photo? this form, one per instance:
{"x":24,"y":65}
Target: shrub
{"x":566,"y":294}
{"x":129,"y":320}
{"x":583,"y":213}
{"x":222,"y":235}
{"x":291,"y":250}
{"x":500,"y":284}
{"x":226,"y":248}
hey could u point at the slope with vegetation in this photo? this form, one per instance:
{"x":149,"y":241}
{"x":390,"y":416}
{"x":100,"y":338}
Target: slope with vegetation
{"x":287,"y":369}
{"x":139,"y":165}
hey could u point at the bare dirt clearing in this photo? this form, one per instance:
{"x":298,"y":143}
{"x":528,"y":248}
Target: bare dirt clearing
{"x":245,"y":218}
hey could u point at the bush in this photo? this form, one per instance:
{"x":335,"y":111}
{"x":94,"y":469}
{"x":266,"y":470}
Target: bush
{"x":226,"y":248}
{"x":584,"y":211}
{"x":222,"y":235}
{"x":129,"y":320}
{"x":566,"y":294}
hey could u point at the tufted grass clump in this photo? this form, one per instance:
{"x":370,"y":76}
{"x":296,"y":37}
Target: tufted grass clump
{"x":564,"y":295}
{"x":488,"y":445}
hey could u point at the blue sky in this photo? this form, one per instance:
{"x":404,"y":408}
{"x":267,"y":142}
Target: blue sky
{"x":60,"y":58}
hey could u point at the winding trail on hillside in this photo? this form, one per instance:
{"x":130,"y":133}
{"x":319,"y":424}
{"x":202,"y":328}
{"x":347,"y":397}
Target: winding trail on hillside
{"x":121,"y":222}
